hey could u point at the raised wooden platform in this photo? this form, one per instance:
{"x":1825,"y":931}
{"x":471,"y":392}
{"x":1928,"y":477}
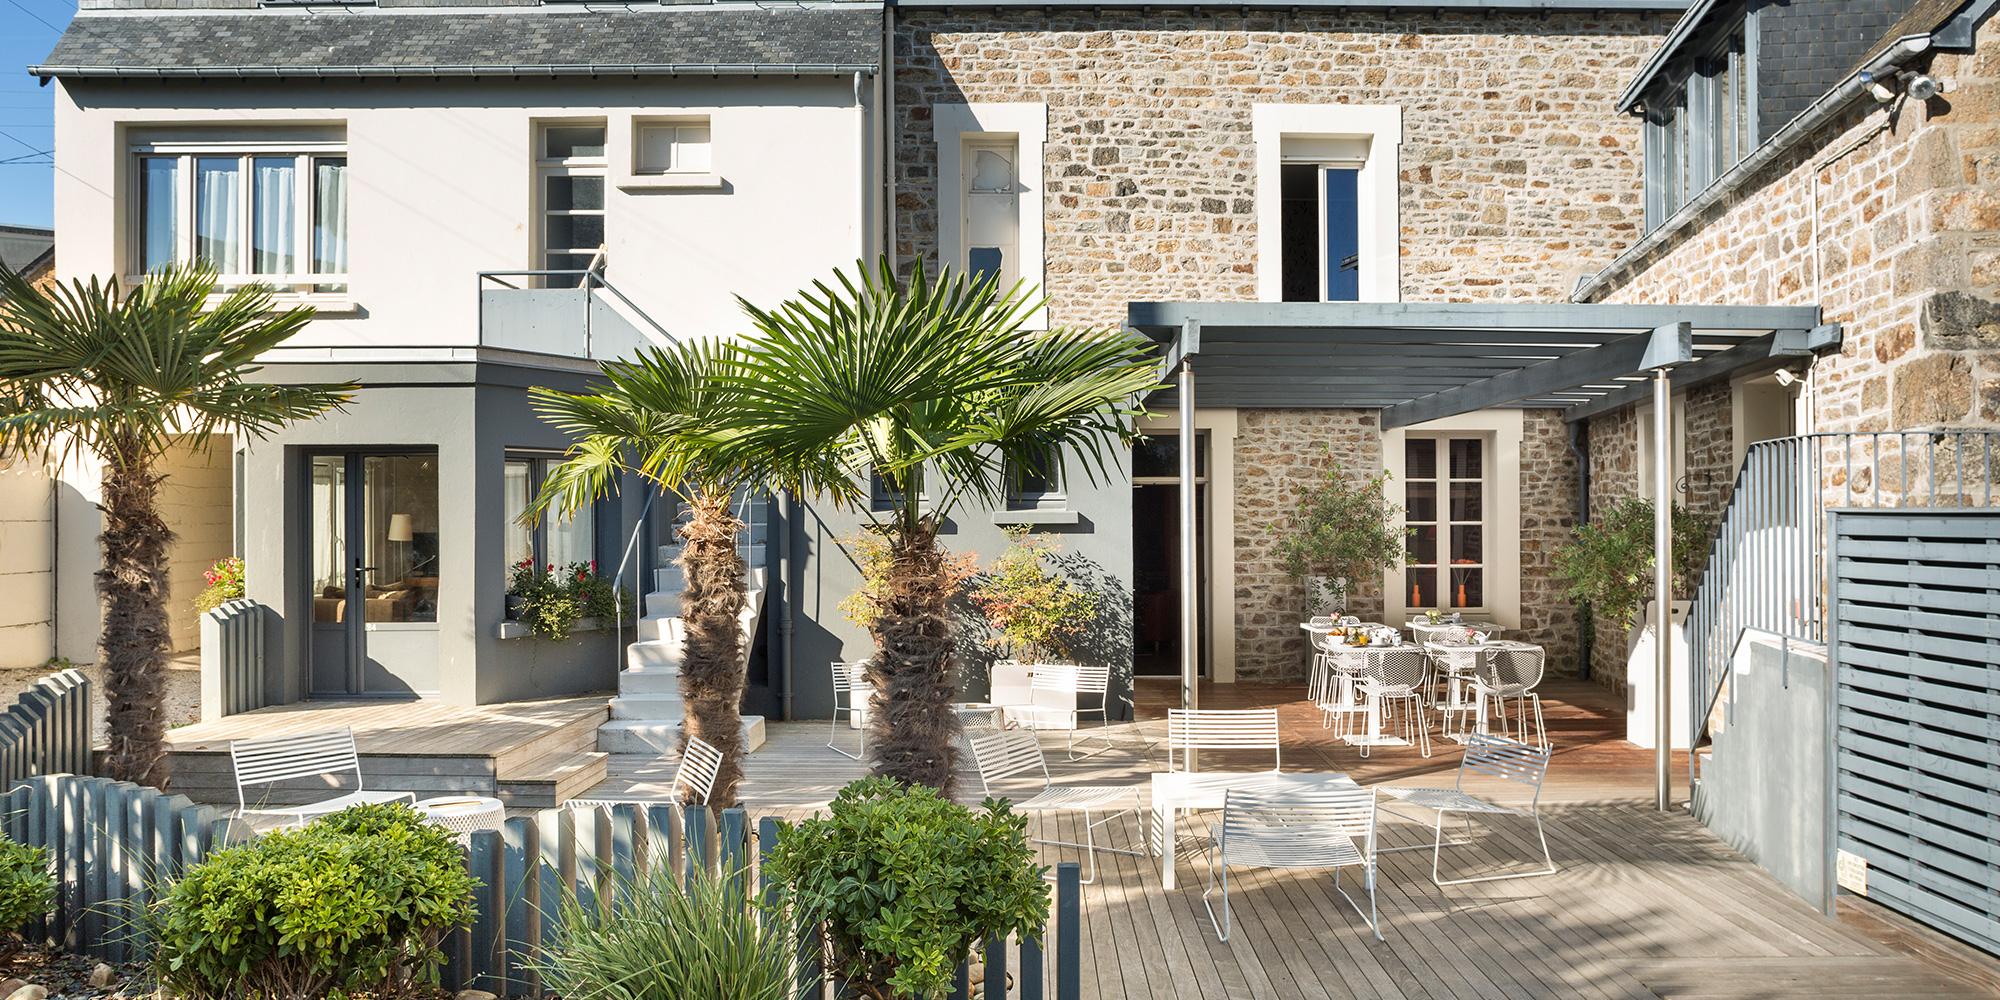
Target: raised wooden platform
{"x":529,"y":753}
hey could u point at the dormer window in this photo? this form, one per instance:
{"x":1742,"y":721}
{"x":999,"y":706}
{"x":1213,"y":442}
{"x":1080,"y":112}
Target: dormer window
{"x":1701,"y":121}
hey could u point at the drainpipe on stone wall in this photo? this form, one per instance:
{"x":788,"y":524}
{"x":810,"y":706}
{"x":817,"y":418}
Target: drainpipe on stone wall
{"x":784,"y":530}
{"x":1579,"y":446}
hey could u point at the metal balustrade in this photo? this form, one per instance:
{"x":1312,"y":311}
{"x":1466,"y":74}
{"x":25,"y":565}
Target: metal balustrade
{"x":1766,"y":567}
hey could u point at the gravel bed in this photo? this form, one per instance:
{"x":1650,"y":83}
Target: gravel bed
{"x":183,"y":700}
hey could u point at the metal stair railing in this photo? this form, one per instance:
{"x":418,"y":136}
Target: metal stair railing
{"x":1766,"y":566}
{"x":638,"y":584}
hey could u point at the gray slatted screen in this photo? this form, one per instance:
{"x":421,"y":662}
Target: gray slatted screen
{"x":1916,"y":631}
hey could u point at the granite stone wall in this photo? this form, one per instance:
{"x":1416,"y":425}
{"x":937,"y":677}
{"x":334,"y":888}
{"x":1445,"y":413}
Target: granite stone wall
{"x":1517,"y":176}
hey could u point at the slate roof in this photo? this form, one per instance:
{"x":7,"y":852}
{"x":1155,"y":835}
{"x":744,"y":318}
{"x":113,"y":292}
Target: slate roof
{"x":533,"y":42}
{"x":22,"y":247}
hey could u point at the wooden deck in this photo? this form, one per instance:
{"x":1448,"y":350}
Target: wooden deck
{"x":1645,"y":905}
{"x":531,"y":753}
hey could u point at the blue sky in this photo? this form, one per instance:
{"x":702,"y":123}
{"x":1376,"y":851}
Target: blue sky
{"x":27,"y":32}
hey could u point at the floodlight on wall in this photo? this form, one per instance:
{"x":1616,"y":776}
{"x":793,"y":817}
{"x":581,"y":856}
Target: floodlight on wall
{"x":1786,"y":377}
{"x":1921,"y":86}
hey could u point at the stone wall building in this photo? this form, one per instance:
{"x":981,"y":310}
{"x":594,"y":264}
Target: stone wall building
{"x":1515,"y":177}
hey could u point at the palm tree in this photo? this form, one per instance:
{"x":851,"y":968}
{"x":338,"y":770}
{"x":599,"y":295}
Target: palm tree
{"x":656,"y":418}
{"x":88,"y":369}
{"x":936,"y":374}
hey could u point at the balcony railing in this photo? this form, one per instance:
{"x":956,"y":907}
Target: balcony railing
{"x":571,"y":314}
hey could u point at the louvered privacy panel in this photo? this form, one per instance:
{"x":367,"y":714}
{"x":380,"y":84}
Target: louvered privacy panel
{"x":1917,"y":721}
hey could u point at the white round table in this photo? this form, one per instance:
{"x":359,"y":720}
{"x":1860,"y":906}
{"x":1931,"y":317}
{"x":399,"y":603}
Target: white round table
{"x":462,"y":814}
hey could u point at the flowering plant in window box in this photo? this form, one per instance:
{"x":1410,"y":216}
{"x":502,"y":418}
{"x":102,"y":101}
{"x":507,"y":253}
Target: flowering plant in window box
{"x":551,"y":601}
{"x":225,"y":583}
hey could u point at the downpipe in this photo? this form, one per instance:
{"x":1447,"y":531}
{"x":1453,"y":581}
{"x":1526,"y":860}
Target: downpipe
{"x":1579,"y":446}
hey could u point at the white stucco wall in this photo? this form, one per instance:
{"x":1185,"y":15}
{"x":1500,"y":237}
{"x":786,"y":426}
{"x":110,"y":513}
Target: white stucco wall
{"x":441,"y":179}
{"x":27,"y":535}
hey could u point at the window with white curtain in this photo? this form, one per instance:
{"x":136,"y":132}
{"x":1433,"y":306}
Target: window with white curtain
{"x":255,"y":212}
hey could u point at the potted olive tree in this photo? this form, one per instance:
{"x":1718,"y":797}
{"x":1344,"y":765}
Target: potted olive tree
{"x":1343,"y":530}
{"x":1607,"y":565}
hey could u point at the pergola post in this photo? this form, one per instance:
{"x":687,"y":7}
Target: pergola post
{"x":1663,"y":590}
{"x":1190,"y":578}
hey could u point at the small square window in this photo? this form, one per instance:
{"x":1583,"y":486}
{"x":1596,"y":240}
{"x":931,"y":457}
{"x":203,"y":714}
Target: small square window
{"x":573,"y":142}
{"x":673,"y":147}
{"x":1031,"y":484}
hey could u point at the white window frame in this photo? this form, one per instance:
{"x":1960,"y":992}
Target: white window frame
{"x":299,"y":284}
{"x":567,"y":166}
{"x":1502,"y":431}
{"x":622,"y":147}
{"x":1377,"y":189}
{"x":955,"y":127}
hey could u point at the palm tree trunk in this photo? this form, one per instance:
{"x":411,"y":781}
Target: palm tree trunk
{"x":133,"y":643}
{"x":711,"y":609}
{"x":913,"y":731}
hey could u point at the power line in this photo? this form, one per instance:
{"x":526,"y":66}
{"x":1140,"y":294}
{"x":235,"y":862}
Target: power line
{"x":44,"y":21}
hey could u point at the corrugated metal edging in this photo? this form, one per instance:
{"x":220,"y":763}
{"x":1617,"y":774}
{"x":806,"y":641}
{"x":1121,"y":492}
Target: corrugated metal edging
{"x":114,"y":846}
{"x":1916,"y":637}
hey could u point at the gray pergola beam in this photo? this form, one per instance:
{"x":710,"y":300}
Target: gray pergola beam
{"x":1749,"y":354}
{"x":1515,"y":319}
{"x":1668,"y":344}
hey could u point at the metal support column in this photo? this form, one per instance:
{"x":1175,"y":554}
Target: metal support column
{"x":1190,"y":556}
{"x":1663,"y":588}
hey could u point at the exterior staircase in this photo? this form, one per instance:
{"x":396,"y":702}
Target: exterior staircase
{"x":646,"y":715}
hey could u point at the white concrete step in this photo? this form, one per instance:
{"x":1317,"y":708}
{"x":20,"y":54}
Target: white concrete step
{"x":663,"y":603}
{"x":657,"y":739}
{"x":656,"y":656}
{"x":670,"y":578}
{"x":662,"y":707}
{"x":656,"y":627}
{"x":654,"y":681}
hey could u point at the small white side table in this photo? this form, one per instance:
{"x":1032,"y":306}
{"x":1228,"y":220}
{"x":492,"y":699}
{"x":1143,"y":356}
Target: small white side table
{"x":979,"y":713}
{"x":462,"y":814}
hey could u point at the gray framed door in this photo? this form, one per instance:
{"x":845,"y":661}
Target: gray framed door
{"x":1916,"y":636}
{"x":372,"y":524}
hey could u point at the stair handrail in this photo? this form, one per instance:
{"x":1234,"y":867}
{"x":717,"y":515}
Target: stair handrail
{"x":618,"y":578}
{"x":1761,"y":576}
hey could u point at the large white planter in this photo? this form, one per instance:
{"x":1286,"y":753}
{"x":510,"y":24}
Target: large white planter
{"x":1640,"y":680}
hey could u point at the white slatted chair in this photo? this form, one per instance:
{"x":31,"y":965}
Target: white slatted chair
{"x":1492,"y":757}
{"x":1395,"y":678}
{"x":273,"y":759}
{"x":1191,"y":729}
{"x":1295,"y":829}
{"x":700,"y":761}
{"x":1084,"y":690}
{"x":851,"y":692}
{"x":1513,"y":670}
{"x":1001,"y":754}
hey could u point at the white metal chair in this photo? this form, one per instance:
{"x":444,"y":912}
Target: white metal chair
{"x":1068,"y":690}
{"x":1001,"y":754}
{"x":272,"y":759}
{"x":1494,"y":757}
{"x":1395,"y":678}
{"x":1192,"y":729}
{"x":1295,"y":829}
{"x":700,"y":761}
{"x":1454,"y":660}
{"x":1339,"y":668}
{"x":1513,"y":670}
{"x":851,"y":692}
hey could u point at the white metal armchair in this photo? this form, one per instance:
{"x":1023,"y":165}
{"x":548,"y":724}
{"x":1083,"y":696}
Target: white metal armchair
{"x":1232,"y":729}
{"x":274,"y":759}
{"x":1002,"y":754}
{"x":1293,"y":828}
{"x":1513,"y":670}
{"x":851,"y":692}
{"x":1062,"y":695}
{"x":1493,"y":757}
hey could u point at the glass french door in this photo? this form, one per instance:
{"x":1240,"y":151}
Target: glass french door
{"x":373,"y":574}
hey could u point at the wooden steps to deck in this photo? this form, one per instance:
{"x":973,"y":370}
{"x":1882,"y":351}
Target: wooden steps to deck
{"x":529,"y":754}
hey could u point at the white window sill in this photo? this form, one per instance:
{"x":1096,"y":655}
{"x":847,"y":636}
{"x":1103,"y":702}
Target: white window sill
{"x":1036,"y":516}
{"x":671,"y":182}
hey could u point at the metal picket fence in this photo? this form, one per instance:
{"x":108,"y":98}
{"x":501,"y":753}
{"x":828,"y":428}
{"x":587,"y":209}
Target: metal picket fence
{"x":47,"y":729}
{"x":113,"y":845}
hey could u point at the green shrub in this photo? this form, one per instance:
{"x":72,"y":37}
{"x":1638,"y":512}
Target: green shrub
{"x":553,"y":600}
{"x":1343,"y":528}
{"x":27,"y":889}
{"x":355,"y":902}
{"x":669,"y":941}
{"x":1609,"y":562}
{"x":905,"y":883}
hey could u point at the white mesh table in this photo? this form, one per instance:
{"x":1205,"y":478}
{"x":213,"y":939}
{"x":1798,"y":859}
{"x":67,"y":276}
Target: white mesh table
{"x":462,"y":814}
